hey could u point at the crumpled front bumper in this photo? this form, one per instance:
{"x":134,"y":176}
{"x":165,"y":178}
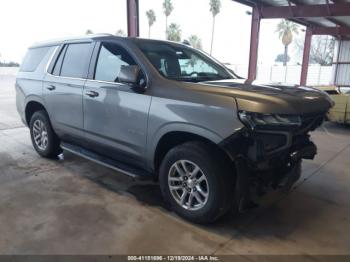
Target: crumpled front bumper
{"x":269,"y":148}
{"x":269,"y":159}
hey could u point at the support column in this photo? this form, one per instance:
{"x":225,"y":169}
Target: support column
{"x":306,"y":56}
{"x":132,"y":9}
{"x":337,"y":61}
{"x":254,"y":44}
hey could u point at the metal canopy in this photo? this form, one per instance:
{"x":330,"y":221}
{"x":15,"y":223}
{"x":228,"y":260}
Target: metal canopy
{"x":311,"y":13}
{"x":321,"y":17}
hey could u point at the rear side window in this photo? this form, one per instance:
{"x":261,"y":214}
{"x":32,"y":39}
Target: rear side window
{"x":57,"y":68}
{"x":33,"y":58}
{"x":76,"y":60}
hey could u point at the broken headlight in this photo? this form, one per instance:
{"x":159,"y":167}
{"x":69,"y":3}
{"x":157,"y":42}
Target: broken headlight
{"x":253,"y":120}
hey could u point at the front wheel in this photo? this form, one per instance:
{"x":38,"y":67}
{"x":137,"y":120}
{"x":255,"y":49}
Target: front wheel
{"x":196,"y":182}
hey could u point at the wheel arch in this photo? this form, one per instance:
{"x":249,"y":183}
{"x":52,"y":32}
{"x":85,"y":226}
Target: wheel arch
{"x":172,"y":138}
{"x":31,"y":107}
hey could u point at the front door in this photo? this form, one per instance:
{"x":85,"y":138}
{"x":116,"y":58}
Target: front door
{"x":115,"y":116}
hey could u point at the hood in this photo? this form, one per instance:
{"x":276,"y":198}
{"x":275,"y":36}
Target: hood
{"x":270,"y":98}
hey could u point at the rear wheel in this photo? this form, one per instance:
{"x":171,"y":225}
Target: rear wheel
{"x":44,"y":139}
{"x":196,"y":182}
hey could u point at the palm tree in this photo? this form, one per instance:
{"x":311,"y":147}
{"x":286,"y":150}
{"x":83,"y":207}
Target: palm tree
{"x":195,"y":41}
{"x":151,"y":16}
{"x":120,"y":32}
{"x":174,"y":32}
{"x":285,"y":30}
{"x":89,"y":32}
{"x":215,"y":6}
{"x":168,"y":8}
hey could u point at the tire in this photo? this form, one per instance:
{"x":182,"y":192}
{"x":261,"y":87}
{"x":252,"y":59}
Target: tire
{"x":217,"y":185}
{"x":50,"y":146}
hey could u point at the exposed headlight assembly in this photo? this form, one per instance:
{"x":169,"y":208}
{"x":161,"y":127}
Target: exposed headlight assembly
{"x":254,"y":120}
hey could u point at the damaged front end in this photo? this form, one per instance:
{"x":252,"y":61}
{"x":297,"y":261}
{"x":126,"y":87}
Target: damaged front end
{"x":268,"y":152}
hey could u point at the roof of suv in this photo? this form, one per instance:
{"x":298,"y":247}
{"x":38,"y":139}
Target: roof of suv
{"x":94,"y":37}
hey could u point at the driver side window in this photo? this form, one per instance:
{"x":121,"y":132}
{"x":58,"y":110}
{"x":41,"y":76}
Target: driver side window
{"x":111,"y":57}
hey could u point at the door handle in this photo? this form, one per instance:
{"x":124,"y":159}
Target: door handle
{"x":91,"y":93}
{"x":51,"y":87}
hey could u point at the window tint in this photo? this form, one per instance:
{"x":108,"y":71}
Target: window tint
{"x":76,"y":60}
{"x":33,"y":58}
{"x":110,"y":59}
{"x":58,"y":64}
{"x":182,"y":63}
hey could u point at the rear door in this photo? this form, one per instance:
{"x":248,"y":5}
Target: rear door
{"x":115,"y":116}
{"x":63,"y":89}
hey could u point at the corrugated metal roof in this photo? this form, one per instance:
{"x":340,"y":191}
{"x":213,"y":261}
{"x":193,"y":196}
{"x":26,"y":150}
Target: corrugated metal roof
{"x":329,"y":21}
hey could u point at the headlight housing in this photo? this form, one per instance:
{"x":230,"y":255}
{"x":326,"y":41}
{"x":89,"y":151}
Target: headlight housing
{"x":253,"y":120}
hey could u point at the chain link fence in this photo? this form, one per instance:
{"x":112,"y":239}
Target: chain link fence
{"x":317,"y":75}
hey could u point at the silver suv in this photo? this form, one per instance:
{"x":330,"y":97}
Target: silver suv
{"x":165,"y":111}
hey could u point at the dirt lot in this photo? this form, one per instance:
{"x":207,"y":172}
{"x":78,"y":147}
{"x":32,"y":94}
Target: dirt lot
{"x":73,"y":206}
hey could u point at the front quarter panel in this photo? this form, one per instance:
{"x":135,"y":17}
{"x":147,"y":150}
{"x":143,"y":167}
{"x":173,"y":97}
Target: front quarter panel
{"x":214,"y":122}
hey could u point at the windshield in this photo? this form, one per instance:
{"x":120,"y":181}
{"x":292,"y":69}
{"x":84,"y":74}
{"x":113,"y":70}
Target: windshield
{"x":182,"y":63}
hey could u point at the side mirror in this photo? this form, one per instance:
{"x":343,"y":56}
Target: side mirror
{"x":129,"y":74}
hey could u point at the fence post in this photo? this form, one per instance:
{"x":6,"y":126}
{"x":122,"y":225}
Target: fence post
{"x":319,"y":75}
{"x":271,"y":68}
{"x":285,"y":74}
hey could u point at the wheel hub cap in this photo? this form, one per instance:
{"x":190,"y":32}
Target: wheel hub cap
{"x":40,"y":134}
{"x":188,"y":185}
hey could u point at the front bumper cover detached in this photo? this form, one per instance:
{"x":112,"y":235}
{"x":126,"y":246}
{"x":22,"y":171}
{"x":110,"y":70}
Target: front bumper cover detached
{"x":268,"y":159}
{"x":263,"y":147}
{"x":266,"y":150}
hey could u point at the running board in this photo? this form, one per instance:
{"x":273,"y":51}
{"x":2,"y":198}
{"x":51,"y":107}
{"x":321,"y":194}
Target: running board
{"x":107,"y":162}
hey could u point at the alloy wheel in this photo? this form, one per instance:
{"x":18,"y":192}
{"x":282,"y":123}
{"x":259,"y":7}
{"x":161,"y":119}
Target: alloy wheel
{"x":188,"y":185}
{"x":40,"y":134}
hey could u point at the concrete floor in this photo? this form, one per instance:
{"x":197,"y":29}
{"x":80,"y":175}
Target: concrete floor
{"x":73,"y":206}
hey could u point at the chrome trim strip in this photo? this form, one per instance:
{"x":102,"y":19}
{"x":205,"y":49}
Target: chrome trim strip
{"x":78,"y":78}
{"x":67,"y":77}
{"x":104,"y":82}
{"x":99,"y":162}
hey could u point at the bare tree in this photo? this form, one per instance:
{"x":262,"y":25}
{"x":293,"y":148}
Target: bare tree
{"x":89,"y":32}
{"x":321,"y":51}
